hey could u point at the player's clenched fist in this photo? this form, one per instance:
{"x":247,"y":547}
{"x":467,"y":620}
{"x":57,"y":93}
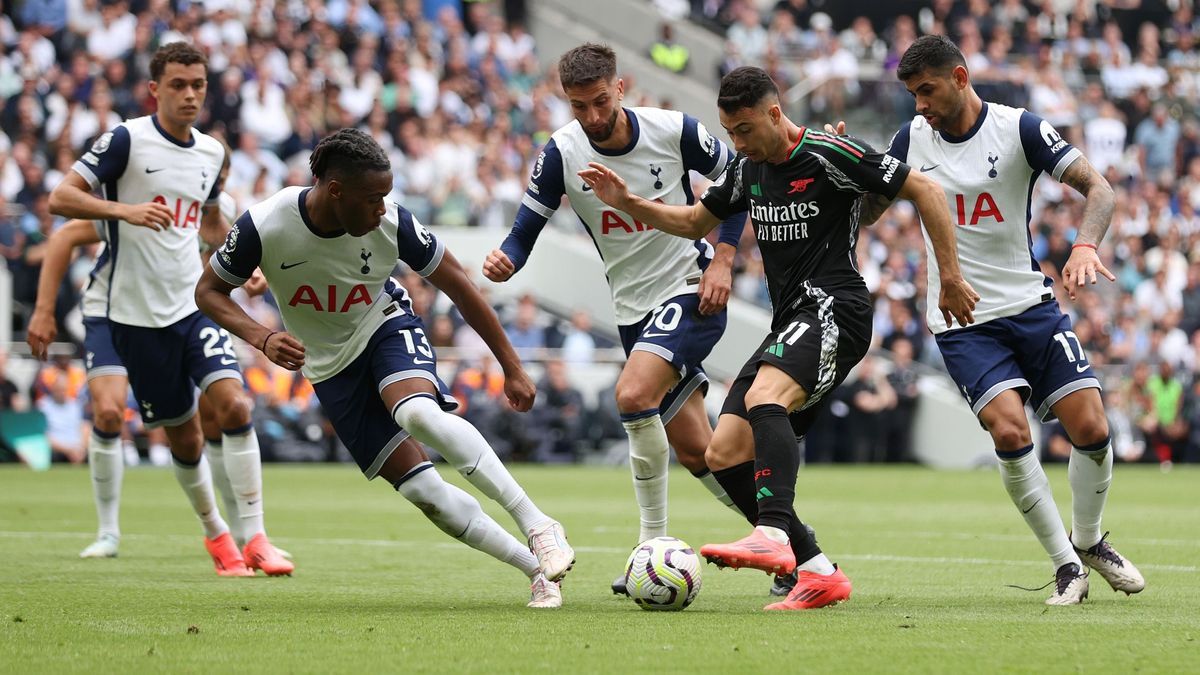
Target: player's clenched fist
{"x":41,"y":332}
{"x":497,"y":267}
{"x":150,"y":214}
{"x":284,"y":350}
{"x":519,"y":389}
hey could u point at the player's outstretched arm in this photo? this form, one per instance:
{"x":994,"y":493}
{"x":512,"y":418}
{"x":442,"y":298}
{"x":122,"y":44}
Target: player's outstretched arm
{"x":43,"y":329}
{"x":717,"y":281}
{"x":212,"y":297}
{"x":73,"y":198}
{"x":958,"y":298}
{"x":690,"y":222}
{"x":498,"y":267}
{"x":452,"y":279}
{"x":1098,"y":206}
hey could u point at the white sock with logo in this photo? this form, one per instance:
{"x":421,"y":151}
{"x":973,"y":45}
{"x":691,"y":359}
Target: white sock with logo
{"x":1029,"y":489}
{"x":243,"y":464}
{"x":459,"y":515}
{"x":196,"y":481}
{"x":467,"y":451}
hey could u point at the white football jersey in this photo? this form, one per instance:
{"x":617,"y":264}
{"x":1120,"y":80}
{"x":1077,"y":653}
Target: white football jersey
{"x":645,"y":267}
{"x":330,"y":289}
{"x":150,"y":277}
{"x":95,"y":294}
{"x":988,"y":175}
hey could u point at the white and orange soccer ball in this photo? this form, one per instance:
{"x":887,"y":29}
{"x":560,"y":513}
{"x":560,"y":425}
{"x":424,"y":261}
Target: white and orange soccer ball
{"x":663,"y":573}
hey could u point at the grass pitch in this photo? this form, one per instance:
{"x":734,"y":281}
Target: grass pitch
{"x":379,"y":589}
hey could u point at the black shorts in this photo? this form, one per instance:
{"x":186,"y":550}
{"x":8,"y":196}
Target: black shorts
{"x":818,"y":343}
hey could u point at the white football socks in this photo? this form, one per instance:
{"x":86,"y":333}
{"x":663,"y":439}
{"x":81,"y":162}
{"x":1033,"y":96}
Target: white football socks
{"x":1090,"y":474}
{"x":243,"y":466}
{"x":196,"y":481}
{"x":709,"y":481}
{"x":106,"y":463}
{"x":216,"y":462}
{"x":649,"y":455}
{"x":466,"y":450}
{"x":1029,"y":489}
{"x":459,"y":515}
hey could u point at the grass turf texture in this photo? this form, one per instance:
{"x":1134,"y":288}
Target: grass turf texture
{"x":378,"y":588}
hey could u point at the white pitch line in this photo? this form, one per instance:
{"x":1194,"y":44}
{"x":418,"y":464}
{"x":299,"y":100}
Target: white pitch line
{"x":402,"y":543}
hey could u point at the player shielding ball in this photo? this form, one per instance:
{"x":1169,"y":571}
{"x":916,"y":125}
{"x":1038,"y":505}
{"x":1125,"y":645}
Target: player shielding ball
{"x":669,"y":294}
{"x":1021,"y":348}
{"x":327,"y":252}
{"x":804,"y":190}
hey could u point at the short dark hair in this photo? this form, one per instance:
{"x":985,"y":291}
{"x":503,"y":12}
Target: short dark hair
{"x":175,"y":52}
{"x":587,"y":63}
{"x":745,"y":87}
{"x":347,"y":152}
{"x":929,"y":52}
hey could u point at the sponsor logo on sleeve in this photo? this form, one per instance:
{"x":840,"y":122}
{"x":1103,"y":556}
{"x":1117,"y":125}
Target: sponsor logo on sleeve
{"x":102,"y":143}
{"x":890,"y":164}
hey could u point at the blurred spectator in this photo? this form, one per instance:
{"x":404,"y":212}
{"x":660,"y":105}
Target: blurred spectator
{"x":11,"y":398}
{"x":1156,"y":138}
{"x":872,"y":399}
{"x":1169,"y":428}
{"x":525,"y":330}
{"x":558,"y":416}
{"x":668,"y":54}
{"x":578,"y":345}
{"x":898,"y":422}
{"x":66,"y":429}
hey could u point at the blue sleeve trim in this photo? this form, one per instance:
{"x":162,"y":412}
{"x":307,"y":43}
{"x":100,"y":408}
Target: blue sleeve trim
{"x":546,"y":181}
{"x":1045,"y":149}
{"x":106,"y":160}
{"x":731,"y":229}
{"x":526,"y":227}
{"x":415,"y":244}
{"x":898,"y":147}
{"x":240,"y":254}
{"x":700,"y":150}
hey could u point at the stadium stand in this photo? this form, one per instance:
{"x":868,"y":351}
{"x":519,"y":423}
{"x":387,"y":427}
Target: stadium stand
{"x":462,"y":96}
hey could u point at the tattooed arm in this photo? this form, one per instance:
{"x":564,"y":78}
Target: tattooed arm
{"x":1098,"y":206}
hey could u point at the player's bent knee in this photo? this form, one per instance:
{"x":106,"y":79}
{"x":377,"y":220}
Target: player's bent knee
{"x":235,"y":411}
{"x":720,"y":456}
{"x":108,"y":419}
{"x":691,"y":458}
{"x":419,"y":415}
{"x":1009,"y":436}
{"x":635,"y":397}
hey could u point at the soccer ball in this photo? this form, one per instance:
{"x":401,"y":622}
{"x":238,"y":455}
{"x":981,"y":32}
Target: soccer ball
{"x":663,"y":573}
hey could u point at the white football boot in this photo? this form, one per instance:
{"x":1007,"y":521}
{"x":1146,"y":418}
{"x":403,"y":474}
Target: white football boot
{"x":544,"y":594}
{"x":1116,"y":570}
{"x":1070,"y":586}
{"x":105,"y":546}
{"x":548,"y":542}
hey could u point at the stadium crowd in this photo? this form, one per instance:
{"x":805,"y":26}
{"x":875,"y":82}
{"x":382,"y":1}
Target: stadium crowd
{"x":458,"y":99}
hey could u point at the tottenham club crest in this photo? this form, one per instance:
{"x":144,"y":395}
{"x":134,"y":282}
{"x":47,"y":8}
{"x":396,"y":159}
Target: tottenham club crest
{"x":365,"y":255}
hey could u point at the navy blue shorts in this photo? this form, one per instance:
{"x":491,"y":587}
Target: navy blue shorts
{"x":682,"y":336}
{"x":824,"y":336}
{"x":1035,"y":352}
{"x":351,"y":399}
{"x":167,"y":364}
{"x":100,"y":357}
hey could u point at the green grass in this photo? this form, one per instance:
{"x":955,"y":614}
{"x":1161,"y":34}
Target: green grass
{"x":378,"y":588}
